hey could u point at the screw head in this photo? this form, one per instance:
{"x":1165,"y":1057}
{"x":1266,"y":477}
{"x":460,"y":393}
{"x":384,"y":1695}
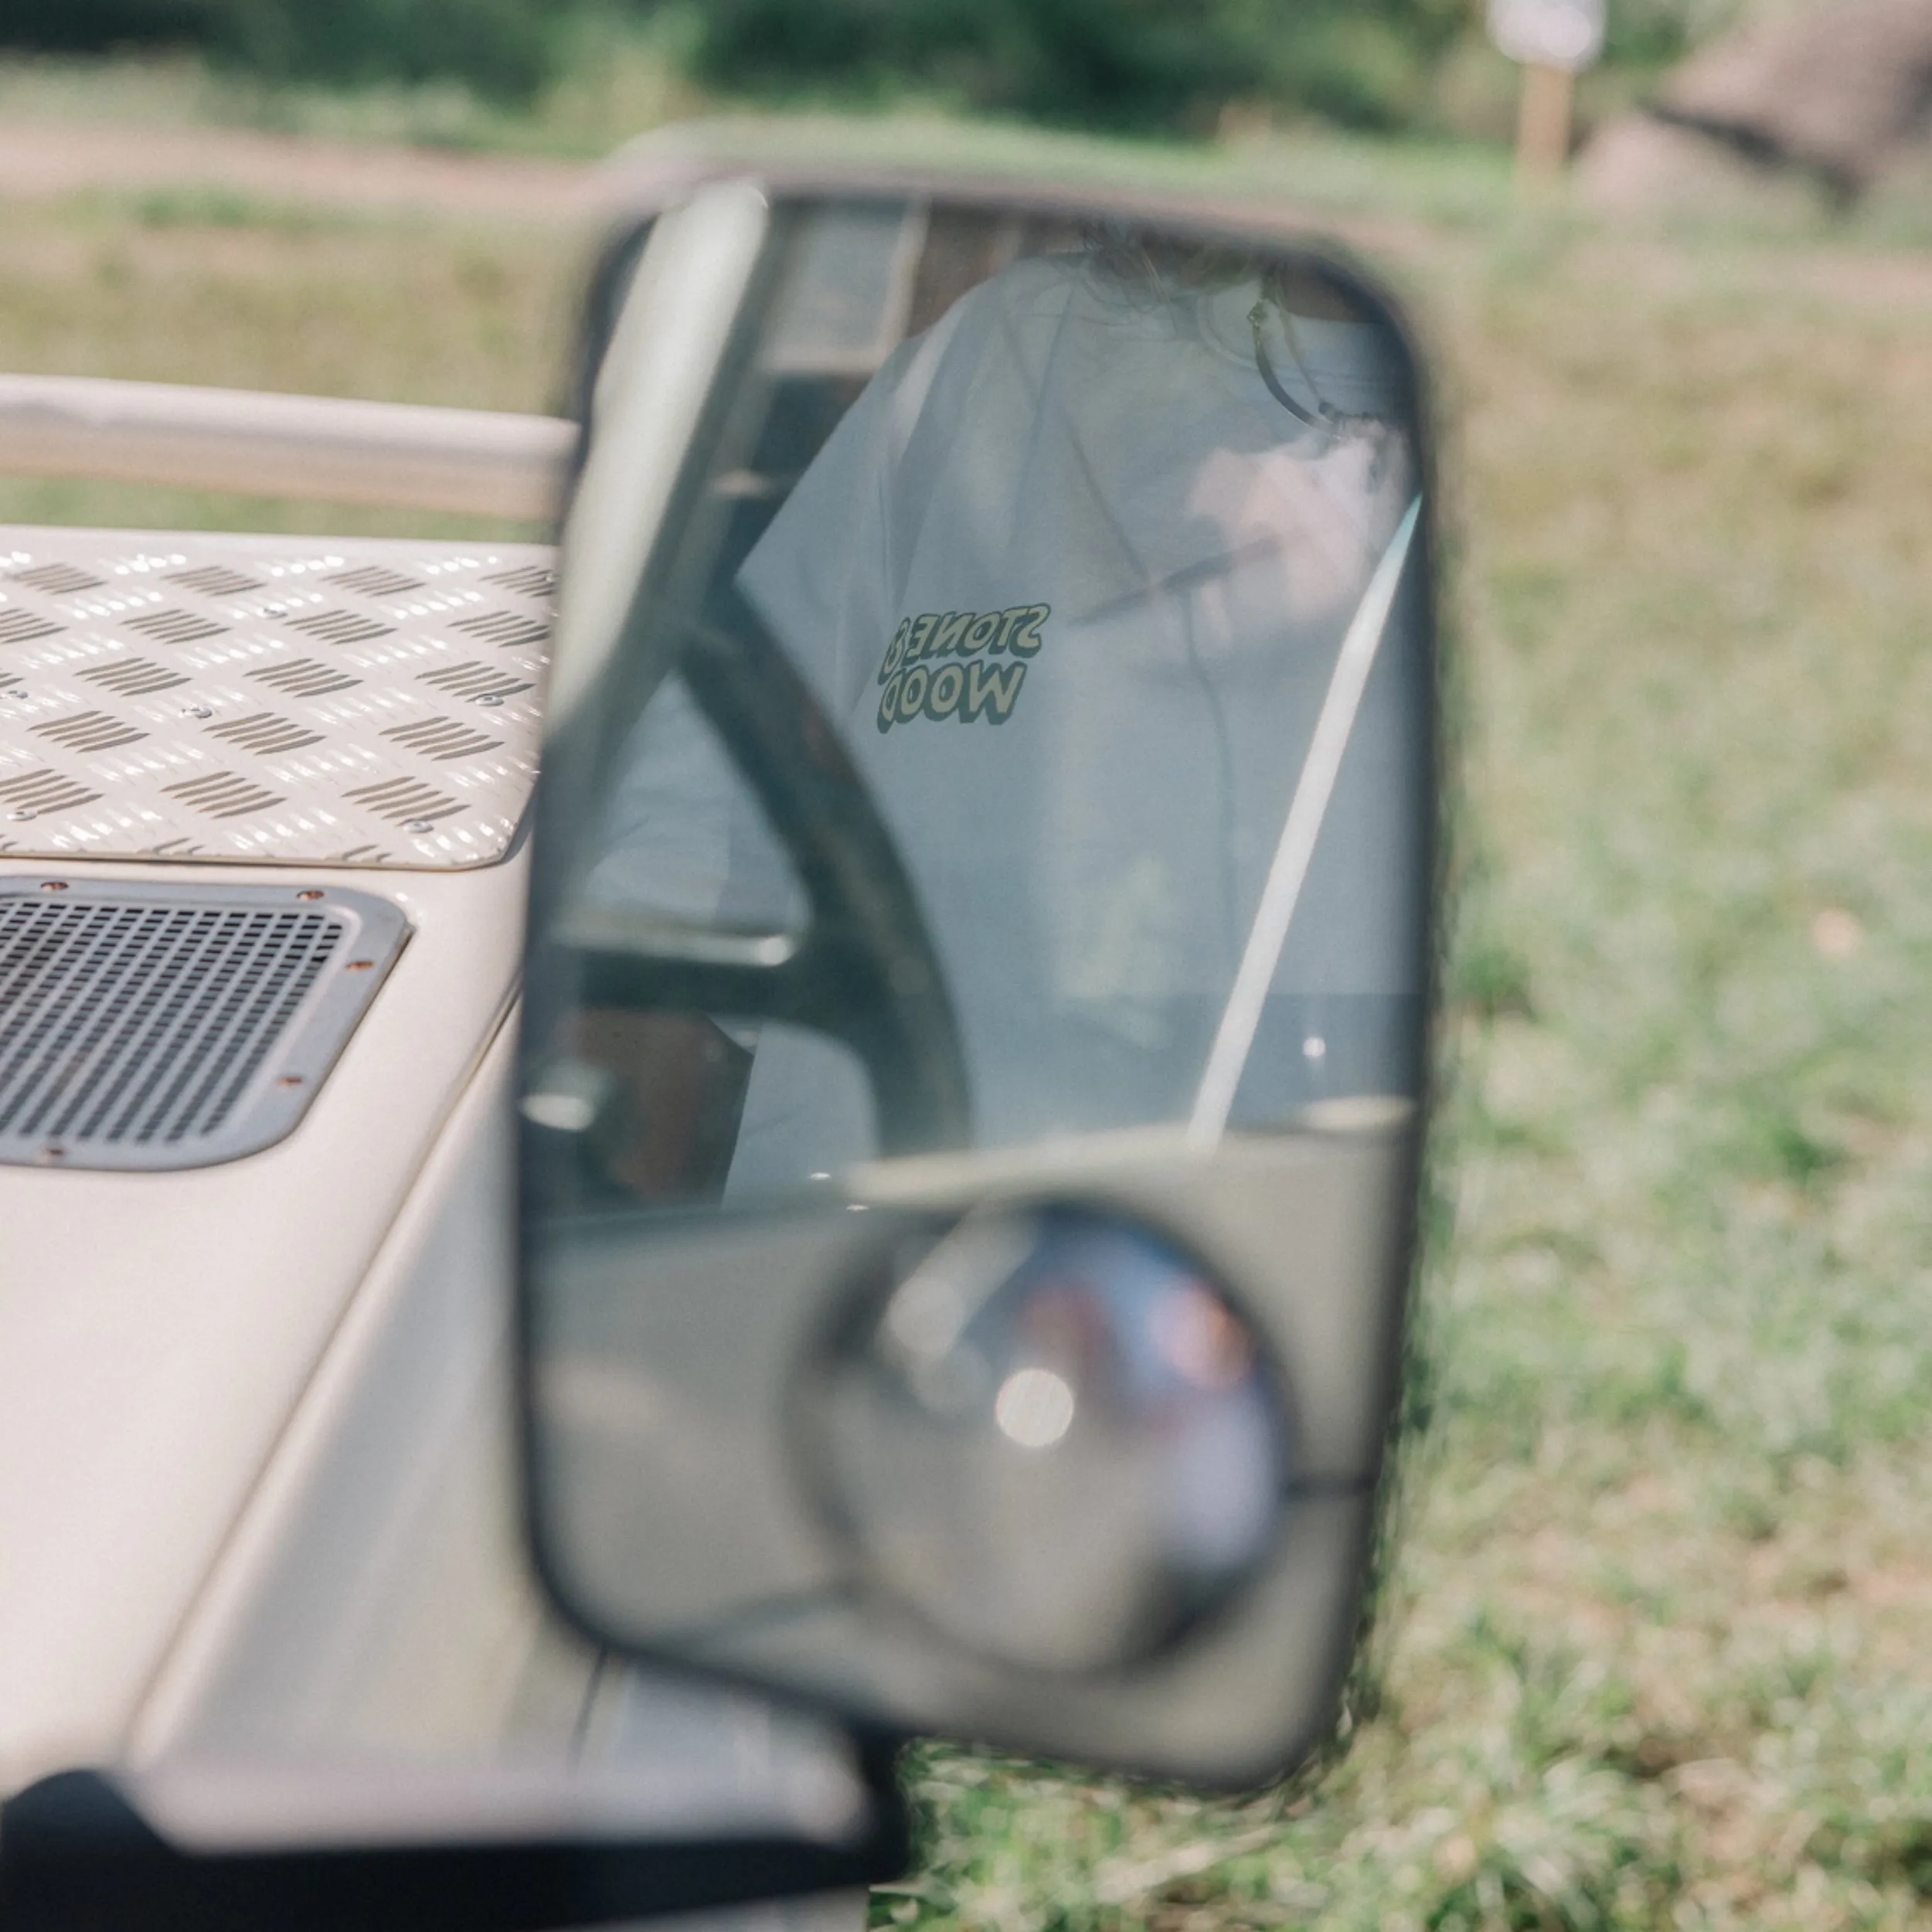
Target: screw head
{"x":289,"y":1080}
{"x":25,"y":812}
{"x":492,"y":699}
{"x":359,"y":966}
{"x":419,"y":824}
{"x":310,"y":893}
{"x":53,"y":884}
{"x":53,"y":1151}
{"x":197,"y":711}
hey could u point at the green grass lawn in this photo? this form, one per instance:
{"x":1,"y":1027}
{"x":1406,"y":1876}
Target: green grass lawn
{"x":182,"y":286}
{"x":1659,"y":1650}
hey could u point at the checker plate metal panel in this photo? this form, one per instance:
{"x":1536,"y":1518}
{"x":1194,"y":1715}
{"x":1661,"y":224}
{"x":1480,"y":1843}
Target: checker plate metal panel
{"x":268,"y":700}
{"x":153,"y":1027}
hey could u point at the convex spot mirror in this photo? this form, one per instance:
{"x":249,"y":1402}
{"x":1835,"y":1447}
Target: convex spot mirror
{"x":979,"y":967}
{"x":1050,"y":1436}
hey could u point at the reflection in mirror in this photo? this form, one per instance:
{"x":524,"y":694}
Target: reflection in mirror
{"x":1068,"y":571}
{"x":655,"y":1107}
{"x":1073,"y":576}
{"x":680,"y":840}
{"x":983,"y":914}
{"x":1053,"y":1438}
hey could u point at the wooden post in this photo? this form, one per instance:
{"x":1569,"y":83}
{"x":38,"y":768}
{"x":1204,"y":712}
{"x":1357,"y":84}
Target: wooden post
{"x":1543,"y":124}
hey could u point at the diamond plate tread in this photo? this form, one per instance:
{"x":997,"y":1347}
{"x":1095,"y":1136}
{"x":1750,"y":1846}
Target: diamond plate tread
{"x":268,"y":700}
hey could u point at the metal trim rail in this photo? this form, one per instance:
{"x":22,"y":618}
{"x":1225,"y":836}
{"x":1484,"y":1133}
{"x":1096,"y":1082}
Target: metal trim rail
{"x":403,"y":455}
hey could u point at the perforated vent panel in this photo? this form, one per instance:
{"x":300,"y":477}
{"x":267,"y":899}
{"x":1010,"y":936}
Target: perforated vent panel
{"x":156,"y":1026}
{"x":276,"y":700}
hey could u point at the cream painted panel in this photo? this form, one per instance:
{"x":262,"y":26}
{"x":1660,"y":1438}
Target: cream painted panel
{"x":374,"y":1600}
{"x":157,"y":1330}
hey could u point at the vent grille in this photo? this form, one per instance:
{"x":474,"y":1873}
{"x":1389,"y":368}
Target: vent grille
{"x":145,"y":1026}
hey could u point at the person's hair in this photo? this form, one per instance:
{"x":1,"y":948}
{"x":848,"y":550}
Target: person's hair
{"x":1153,"y":268}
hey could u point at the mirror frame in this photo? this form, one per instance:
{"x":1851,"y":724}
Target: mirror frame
{"x":653,"y":183}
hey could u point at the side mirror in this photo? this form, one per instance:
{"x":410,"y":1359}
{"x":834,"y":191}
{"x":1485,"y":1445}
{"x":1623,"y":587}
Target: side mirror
{"x":980,"y":967}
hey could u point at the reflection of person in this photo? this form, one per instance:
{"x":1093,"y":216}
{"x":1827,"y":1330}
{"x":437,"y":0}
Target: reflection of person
{"x":1071,"y":575}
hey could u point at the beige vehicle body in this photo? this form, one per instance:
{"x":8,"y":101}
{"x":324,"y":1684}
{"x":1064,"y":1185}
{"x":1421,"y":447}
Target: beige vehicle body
{"x":258,"y":1508}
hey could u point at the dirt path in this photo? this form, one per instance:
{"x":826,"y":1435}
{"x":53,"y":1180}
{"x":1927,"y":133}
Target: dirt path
{"x":45,"y":162}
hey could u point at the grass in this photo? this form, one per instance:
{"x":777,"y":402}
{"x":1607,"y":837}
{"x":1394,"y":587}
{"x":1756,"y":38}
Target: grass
{"x":197,"y":286}
{"x":1656,"y":1652}
{"x":615,"y":79}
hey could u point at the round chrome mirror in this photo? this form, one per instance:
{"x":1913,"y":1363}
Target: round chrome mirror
{"x":1054,"y":1439}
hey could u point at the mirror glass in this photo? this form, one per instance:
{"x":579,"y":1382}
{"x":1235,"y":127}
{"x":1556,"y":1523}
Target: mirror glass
{"x":1008,"y":743}
{"x":1053,"y":1437}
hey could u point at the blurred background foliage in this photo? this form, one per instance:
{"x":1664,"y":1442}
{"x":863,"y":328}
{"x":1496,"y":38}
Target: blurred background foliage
{"x":1176,"y":67}
{"x":505,"y":48}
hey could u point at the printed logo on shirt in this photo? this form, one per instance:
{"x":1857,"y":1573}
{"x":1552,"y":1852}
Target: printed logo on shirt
{"x":917,"y":687}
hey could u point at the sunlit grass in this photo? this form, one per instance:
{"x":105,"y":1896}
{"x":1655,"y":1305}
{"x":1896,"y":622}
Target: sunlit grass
{"x":217,"y":289}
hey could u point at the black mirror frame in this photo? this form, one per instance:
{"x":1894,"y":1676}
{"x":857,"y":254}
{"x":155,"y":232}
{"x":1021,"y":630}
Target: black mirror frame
{"x":723,"y":693}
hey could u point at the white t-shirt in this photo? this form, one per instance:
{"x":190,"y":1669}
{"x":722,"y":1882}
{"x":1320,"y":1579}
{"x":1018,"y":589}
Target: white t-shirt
{"x":1072,"y":582}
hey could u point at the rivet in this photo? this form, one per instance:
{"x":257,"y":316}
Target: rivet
{"x":419,"y":824}
{"x":358,"y":965}
{"x":491,"y":698}
{"x":26,"y":813}
{"x":53,"y":884}
{"x":312,"y":893}
{"x":197,"y":711}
